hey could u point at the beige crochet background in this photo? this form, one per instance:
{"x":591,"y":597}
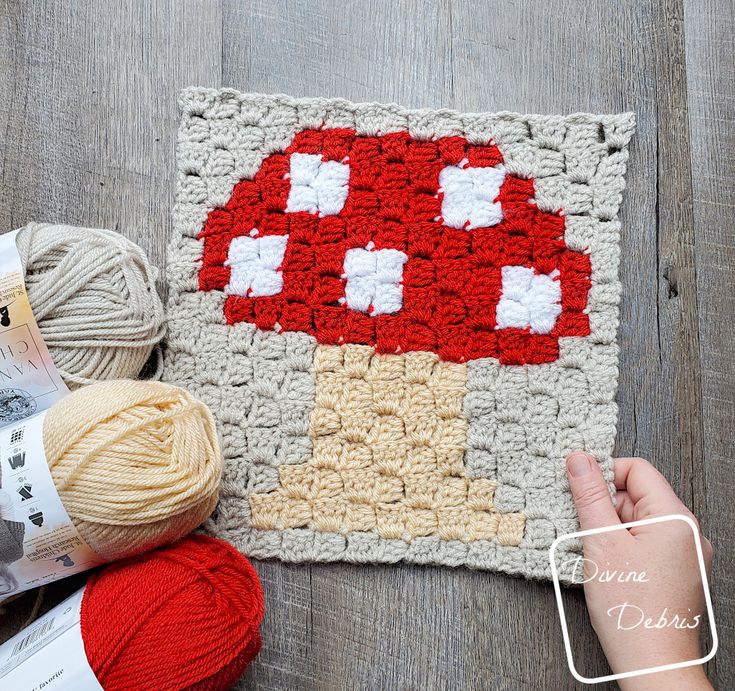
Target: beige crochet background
{"x":521,"y":421}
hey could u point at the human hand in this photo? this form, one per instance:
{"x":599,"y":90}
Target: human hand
{"x":643,"y":585}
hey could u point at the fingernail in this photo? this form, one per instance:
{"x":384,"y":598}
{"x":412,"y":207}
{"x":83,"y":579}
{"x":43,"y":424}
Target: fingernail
{"x":578,"y":464}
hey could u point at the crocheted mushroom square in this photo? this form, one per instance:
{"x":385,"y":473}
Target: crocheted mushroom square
{"x":402,"y":321}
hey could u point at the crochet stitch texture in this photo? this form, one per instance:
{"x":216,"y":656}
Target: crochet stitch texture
{"x":402,"y":321}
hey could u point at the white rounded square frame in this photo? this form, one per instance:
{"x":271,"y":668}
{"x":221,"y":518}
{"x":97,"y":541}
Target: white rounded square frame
{"x":560,"y":603}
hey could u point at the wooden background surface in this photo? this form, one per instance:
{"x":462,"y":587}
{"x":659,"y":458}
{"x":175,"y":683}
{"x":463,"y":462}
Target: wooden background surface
{"x":87,"y":132}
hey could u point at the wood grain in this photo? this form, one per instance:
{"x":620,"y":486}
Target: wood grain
{"x":88,"y":119}
{"x":710,"y":67}
{"x":88,"y":132}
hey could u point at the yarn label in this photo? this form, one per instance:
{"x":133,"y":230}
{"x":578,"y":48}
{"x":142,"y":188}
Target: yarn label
{"x":29,"y":381}
{"x":38,"y":541}
{"x":49,"y":654}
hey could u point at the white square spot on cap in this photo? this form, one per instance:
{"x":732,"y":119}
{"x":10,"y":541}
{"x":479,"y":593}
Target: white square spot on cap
{"x":528,"y":300}
{"x":374,"y":280}
{"x":255,"y":265}
{"x":317,"y":186}
{"x":469,"y":195}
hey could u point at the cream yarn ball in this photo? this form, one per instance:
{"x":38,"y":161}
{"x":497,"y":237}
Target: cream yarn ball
{"x":137,"y":464}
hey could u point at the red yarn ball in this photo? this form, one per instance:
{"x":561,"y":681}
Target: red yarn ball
{"x":184,"y":616}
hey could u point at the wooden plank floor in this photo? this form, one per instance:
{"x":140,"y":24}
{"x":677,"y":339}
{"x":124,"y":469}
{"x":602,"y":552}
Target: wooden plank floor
{"x":87,"y":132}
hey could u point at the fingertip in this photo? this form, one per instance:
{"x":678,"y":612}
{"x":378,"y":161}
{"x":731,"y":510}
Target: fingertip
{"x":590,"y":491}
{"x":624,"y":507}
{"x":579,"y":463}
{"x":641,"y":479}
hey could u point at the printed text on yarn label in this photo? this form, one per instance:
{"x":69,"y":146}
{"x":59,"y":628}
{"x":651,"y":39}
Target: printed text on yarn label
{"x":49,"y":654}
{"x":29,"y":382}
{"x":38,"y":541}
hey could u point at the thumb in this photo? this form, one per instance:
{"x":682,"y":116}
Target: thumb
{"x":589,"y":489}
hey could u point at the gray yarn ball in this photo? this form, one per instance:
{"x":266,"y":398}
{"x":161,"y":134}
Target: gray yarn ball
{"x":94,"y":298}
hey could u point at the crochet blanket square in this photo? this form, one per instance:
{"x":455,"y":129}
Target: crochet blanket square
{"x":402,"y":320}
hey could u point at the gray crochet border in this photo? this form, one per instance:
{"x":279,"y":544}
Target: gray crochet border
{"x":578,"y":162}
